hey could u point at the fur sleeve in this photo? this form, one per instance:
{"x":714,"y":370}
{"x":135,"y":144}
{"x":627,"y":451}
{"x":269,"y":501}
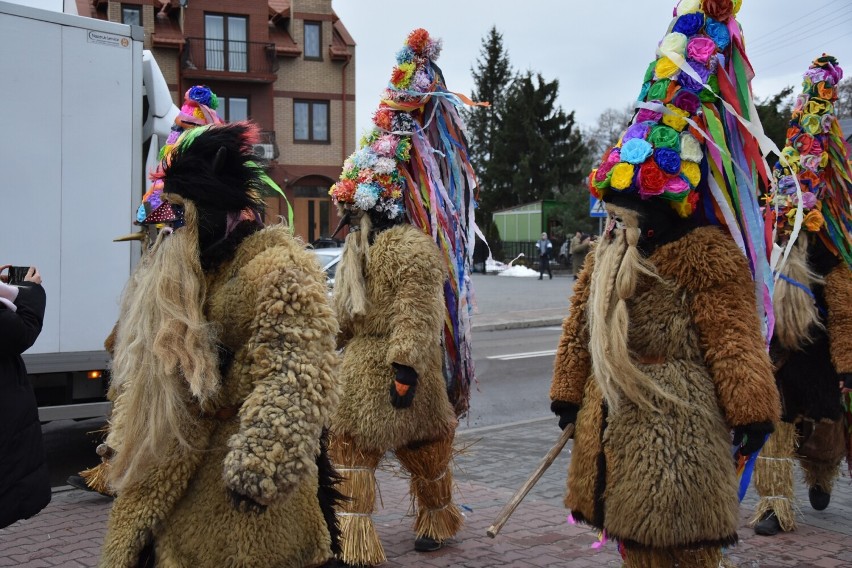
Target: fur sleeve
{"x":573,"y":364}
{"x":292,"y":361}
{"x":838,"y":298}
{"x":708,"y":264}
{"x":418,"y":298}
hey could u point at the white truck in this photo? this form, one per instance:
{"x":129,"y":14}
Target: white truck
{"x":83,"y":110}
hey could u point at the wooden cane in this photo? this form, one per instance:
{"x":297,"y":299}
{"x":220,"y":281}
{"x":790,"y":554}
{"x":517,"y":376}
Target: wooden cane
{"x":531,"y":480}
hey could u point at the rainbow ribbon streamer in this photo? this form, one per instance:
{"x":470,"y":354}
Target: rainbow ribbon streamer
{"x":440,"y":201}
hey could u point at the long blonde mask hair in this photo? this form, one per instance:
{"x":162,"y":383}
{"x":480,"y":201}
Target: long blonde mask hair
{"x":796,"y":314}
{"x":165,"y":369}
{"x":618,"y":267}
{"x":350,"y":286}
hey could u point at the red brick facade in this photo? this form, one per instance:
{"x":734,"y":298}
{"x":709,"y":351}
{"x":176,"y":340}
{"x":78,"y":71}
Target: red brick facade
{"x":269,"y":70}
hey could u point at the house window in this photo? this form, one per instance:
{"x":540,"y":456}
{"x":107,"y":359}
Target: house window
{"x":131,"y":14}
{"x":310,"y":121}
{"x":232,"y":109}
{"x":313,"y":40}
{"x":225,"y":43}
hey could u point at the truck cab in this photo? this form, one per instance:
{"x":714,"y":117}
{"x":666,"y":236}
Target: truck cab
{"x":85,"y":126}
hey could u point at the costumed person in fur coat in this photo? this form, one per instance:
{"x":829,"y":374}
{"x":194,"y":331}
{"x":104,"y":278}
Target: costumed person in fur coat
{"x":663,"y":354}
{"x":198,"y":109}
{"x":223,"y":371}
{"x":403,"y":302}
{"x":812,"y":342}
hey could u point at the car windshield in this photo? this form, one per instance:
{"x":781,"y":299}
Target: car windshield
{"x":328,"y":260}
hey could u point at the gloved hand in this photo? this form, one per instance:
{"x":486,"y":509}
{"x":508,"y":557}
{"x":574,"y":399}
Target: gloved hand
{"x":845,"y":381}
{"x":751,"y":437}
{"x":567,"y":412}
{"x":403,"y":387}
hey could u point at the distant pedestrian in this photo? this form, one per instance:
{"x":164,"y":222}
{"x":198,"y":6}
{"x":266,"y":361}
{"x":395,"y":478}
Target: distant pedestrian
{"x":24,"y":480}
{"x":545,"y":249}
{"x":580,"y":246}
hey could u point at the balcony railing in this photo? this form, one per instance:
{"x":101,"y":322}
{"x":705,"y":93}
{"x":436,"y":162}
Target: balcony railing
{"x":229,"y":56}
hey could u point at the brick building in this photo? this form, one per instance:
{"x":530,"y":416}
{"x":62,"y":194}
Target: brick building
{"x":289,"y":65}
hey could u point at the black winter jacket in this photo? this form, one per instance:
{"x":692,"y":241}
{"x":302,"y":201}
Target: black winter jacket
{"x":24,"y":480}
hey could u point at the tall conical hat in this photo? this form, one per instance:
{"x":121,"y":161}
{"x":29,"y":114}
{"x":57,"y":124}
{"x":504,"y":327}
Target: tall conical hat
{"x":817,"y":156}
{"x":695,"y":139}
{"x":414,"y":165}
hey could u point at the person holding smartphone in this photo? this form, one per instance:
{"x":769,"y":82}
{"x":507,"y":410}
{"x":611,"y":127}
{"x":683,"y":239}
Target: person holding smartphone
{"x":24,"y":480}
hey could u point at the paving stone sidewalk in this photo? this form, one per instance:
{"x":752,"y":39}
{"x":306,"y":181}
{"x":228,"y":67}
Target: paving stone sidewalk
{"x":493,"y":463}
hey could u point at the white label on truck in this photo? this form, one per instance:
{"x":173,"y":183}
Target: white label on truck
{"x":108,"y":39}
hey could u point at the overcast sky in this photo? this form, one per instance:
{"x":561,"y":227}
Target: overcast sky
{"x":598,"y":49}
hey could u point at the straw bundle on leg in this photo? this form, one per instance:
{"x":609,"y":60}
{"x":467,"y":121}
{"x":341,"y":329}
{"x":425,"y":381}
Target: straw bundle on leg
{"x":359,"y":541}
{"x":97,"y":478}
{"x":432,"y":487}
{"x":773,"y":477}
{"x":673,"y":558}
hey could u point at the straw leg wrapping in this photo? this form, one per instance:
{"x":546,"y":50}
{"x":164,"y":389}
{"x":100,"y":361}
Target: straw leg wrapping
{"x":432,"y":487}
{"x":359,"y":541}
{"x":773,"y":477}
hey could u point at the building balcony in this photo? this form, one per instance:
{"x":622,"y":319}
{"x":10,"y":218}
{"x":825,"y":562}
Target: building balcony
{"x":228,"y":60}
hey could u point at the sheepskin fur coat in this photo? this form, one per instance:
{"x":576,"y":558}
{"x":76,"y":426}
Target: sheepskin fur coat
{"x":809,"y":356}
{"x":403,"y":324}
{"x":665,"y":478}
{"x":246,"y":492}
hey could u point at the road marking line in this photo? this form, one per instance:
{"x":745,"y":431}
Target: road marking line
{"x":513,"y":356}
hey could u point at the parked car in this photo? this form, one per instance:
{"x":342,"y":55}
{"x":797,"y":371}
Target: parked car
{"x":329,"y":258}
{"x":327,"y":242}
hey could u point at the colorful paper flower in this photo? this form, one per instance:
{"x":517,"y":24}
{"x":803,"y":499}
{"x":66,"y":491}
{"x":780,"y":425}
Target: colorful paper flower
{"x":665,"y":67}
{"x":691,"y":171}
{"x":687,"y":82}
{"x":658,"y":90}
{"x":687,"y":7}
{"x":689,"y":24}
{"x":638,"y":130}
{"x":690,"y":148}
{"x":667,"y":159}
{"x":687,"y":101}
{"x":814,"y":221}
{"x":675,"y":118}
{"x":673,"y":42}
{"x":622,"y":176}
{"x":663,"y":136}
{"x":718,"y":32}
{"x":636,"y":151}
{"x":701,"y":49}
{"x":648,"y":115}
{"x":651,"y":179}
{"x":720,"y":10}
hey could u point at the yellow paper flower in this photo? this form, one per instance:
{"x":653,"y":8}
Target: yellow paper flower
{"x":737,"y":5}
{"x":811,"y":123}
{"x":622,"y":175}
{"x":675,"y":120}
{"x":688,"y":7}
{"x":823,"y":160}
{"x":814,"y":221}
{"x":692,"y":172}
{"x":665,"y":68}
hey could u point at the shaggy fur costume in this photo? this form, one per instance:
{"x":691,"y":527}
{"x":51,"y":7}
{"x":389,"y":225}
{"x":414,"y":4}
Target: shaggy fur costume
{"x":258,"y":442}
{"x":640,"y":472}
{"x":404,"y":276}
{"x":808,"y":358}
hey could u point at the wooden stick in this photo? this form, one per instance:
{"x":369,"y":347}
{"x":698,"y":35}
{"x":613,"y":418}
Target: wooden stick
{"x":531,"y":480}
